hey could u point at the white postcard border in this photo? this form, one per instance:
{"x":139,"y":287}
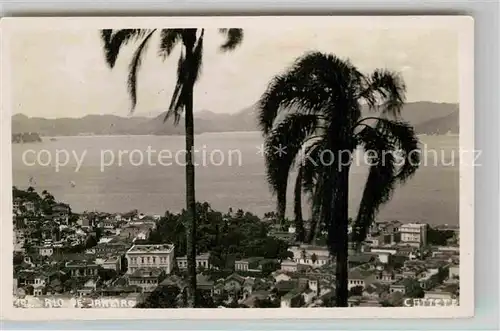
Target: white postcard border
{"x":464,"y":27}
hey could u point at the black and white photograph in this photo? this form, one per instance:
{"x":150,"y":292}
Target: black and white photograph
{"x":232,"y":164}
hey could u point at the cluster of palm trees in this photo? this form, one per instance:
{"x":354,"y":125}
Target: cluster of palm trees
{"x":313,"y":109}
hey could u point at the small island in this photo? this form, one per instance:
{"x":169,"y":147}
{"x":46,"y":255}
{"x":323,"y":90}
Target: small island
{"x":26,"y":137}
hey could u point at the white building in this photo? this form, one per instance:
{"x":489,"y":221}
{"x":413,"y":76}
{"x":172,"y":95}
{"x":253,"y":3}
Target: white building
{"x":202,"y":260}
{"x":414,"y":234}
{"x":315,"y":256}
{"x":112,"y":263}
{"x":153,"y":256}
{"x":46,"y":251}
{"x":288,"y":265}
{"x":384,"y":253}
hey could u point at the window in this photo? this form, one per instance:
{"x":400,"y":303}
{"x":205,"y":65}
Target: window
{"x":154,"y":259}
{"x":142,"y":260}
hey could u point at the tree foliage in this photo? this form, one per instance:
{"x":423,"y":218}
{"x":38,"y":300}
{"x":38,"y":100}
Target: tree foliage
{"x":312,"y":121}
{"x":226,"y":237}
{"x":413,"y":289}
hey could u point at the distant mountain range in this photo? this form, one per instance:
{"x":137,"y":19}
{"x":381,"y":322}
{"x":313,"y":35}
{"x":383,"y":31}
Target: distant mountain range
{"x":426,"y":117}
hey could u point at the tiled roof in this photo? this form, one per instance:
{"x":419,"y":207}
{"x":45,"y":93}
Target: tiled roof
{"x":291,"y":295}
{"x":359,"y":274}
{"x":203,"y":280}
{"x":236,"y":277}
{"x":286,"y":285}
{"x":174,"y":280}
{"x":151,"y":248}
{"x":289,"y":262}
{"x":361,"y":258}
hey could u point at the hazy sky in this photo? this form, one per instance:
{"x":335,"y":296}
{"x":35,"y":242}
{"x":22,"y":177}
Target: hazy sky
{"x":63,"y":73}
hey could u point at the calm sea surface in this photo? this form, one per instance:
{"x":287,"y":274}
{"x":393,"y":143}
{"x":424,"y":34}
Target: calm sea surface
{"x":432,"y":195}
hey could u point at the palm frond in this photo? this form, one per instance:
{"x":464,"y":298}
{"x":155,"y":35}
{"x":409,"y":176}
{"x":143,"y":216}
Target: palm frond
{"x":234,"y":37}
{"x":311,"y":172}
{"x":316,"y":83}
{"x":288,"y":91}
{"x":169,"y":38}
{"x":406,"y":144}
{"x":282,"y":146}
{"x":177,"y":101}
{"x":134,"y":68}
{"x":385,"y":91}
{"x":197,"y":64}
{"x":188,"y":71}
{"x":115,"y":40}
{"x":380,"y":182}
{"x":324,"y":194}
{"x":310,"y":164}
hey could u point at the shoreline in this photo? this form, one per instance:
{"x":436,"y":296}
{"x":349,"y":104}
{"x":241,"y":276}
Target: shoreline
{"x":452,"y":135}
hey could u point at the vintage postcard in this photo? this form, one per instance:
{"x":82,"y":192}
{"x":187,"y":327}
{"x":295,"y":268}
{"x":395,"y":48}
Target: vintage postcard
{"x":248,"y":167}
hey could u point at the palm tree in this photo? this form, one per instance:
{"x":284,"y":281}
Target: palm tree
{"x":311,"y":118}
{"x":188,"y":71}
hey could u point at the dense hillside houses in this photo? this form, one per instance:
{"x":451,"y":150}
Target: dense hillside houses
{"x":242,"y":261}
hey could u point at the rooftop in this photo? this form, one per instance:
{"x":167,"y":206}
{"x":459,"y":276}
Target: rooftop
{"x":150,"y":248}
{"x":251,"y":259}
{"x":286,"y":285}
{"x":413,"y":225}
{"x":313,"y":247}
{"x":174,"y":280}
{"x":236,"y":277}
{"x":289,"y":262}
{"x":204,"y":281}
{"x":199,"y":256}
{"x":361,"y":258}
{"x":359,"y":274}
{"x":112,"y":259}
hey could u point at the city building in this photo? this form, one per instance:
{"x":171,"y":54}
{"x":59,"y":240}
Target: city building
{"x":414,"y":234}
{"x":150,"y":255}
{"x":360,"y":278}
{"x":289,"y":265}
{"x":146,"y":278}
{"x":30,"y":206}
{"x":112,"y":263}
{"x":398,"y":287}
{"x":202,"y":260}
{"x":61,"y":212}
{"x":315,"y":256}
{"x":82,"y":268}
{"x":251,"y":264}
{"x":46,"y":250}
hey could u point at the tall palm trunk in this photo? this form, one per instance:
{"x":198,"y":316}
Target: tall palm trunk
{"x":190,"y":195}
{"x":340,"y":236}
{"x":313,"y":229}
{"x":281,"y":207}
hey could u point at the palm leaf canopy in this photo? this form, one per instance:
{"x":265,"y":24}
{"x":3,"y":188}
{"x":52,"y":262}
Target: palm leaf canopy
{"x":189,"y":63}
{"x":314,"y":108}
